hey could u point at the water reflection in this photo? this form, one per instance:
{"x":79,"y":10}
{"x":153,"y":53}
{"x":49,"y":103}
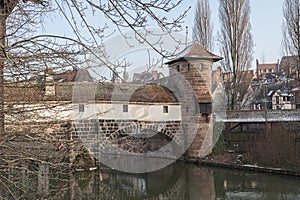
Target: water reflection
{"x":111,"y":184}
{"x":176,"y":182}
{"x":32,"y":181}
{"x":239,"y":185}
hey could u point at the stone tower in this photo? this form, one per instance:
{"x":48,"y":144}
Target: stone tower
{"x":191,"y":80}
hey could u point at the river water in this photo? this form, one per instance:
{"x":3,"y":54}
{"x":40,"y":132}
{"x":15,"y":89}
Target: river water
{"x":179,"y":181}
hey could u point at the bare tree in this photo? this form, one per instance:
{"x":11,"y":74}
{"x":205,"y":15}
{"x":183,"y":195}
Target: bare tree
{"x":6,"y":9}
{"x":236,"y":42}
{"x":203,"y":28}
{"x":291,"y":31}
{"x":26,"y":53}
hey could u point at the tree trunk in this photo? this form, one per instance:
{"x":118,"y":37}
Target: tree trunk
{"x":2,"y":60}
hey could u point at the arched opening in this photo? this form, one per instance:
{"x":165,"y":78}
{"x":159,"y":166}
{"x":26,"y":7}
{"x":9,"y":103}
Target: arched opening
{"x":142,"y":140}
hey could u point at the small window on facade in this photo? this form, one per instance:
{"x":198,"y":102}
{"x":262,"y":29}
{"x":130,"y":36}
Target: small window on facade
{"x":165,"y":109}
{"x":81,"y":108}
{"x":178,"y":68}
{"x":201,"y":67}
{"x":125,"y":108}
{"x":189,"y":67}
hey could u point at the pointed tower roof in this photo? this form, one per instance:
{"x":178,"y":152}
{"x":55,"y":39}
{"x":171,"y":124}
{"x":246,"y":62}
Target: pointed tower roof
{"x":195,"y":52}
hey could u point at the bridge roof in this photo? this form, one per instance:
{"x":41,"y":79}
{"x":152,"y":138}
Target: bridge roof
{"x":84,"y":91}
{"x":146,"y":93}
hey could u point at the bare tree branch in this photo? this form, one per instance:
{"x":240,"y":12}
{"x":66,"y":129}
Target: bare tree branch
{"x":236,"y":42}
{"x":291,"y":31}
{"x":203,"y":28}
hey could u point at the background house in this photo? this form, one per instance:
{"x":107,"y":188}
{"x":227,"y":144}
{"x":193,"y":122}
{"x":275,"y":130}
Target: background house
{"x":288,"y":65}
{"x":282,"y":100}
{"x":275,"y":85}
{"x":266,"y":68}
{"x":147,"y":77}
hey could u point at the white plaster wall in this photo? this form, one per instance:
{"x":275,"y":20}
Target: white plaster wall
{"x":114,"y":111}
{"x":135,"y":111}
{"x":38,"y":112}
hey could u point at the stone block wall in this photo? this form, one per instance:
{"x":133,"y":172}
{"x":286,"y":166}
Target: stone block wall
{"x":119,"y":136}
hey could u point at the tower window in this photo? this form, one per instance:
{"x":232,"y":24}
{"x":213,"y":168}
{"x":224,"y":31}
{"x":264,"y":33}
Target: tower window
{"x":205,"y":108}
{"x":201,"y":67}
{"x":165,"y":109}
{"x":178,"y":68}
{"x":189,"y":67}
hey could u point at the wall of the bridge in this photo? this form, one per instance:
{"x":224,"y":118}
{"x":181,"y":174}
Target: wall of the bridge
{"x":127,"y":136}
{"x":68,"y":138}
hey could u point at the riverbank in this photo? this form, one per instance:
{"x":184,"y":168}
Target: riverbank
{"x":232,"y":161}
{"x":271,"y":149}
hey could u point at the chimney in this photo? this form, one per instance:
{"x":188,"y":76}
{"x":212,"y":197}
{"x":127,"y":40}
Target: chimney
{"x":49,"y":82}
{"x":154,"y":75}
{"x":257,"y":70}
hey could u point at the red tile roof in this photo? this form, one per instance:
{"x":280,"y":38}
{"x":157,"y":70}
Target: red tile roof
{"x":79,"y":92}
